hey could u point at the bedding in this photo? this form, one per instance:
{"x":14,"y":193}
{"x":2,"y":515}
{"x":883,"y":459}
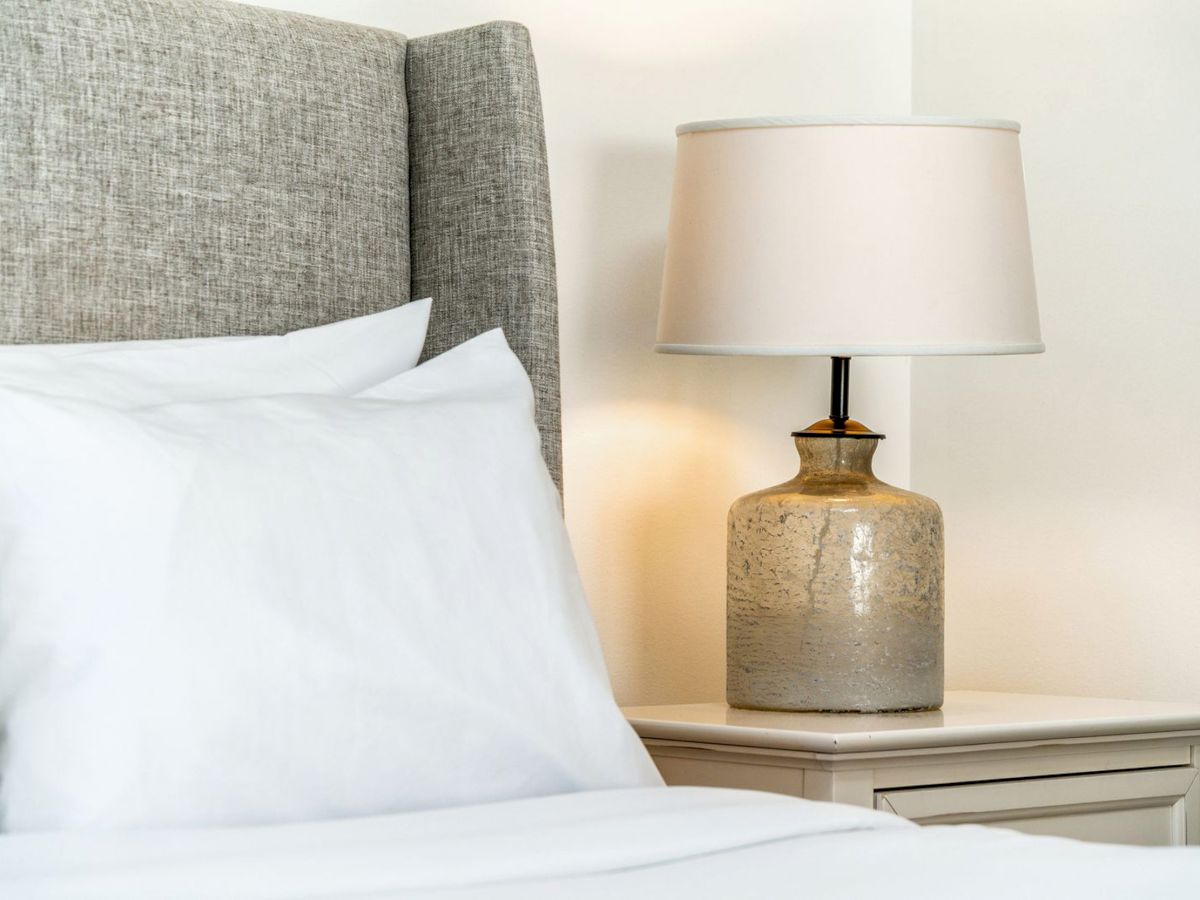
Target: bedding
{"x":340,"y":358}
{"x":294,"y":607}
{"x":648,"y":842}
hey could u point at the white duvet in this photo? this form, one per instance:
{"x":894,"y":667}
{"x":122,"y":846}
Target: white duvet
{"x":646,"y":842}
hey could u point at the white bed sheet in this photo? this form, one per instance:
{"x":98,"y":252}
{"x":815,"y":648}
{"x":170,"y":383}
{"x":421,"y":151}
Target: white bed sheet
{"x":646,"y":842}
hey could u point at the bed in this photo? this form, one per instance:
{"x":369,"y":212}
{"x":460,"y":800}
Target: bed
{"x":189,"y":168}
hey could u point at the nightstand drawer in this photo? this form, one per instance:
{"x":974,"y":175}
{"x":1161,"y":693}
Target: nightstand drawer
{"x":1147,"y":806}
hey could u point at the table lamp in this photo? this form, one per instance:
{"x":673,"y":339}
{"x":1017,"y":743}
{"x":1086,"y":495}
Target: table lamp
{"x":842,"y":237}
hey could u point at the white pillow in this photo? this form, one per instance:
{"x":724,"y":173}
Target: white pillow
{"x":294,"y":607}
{"x":340,"y":358}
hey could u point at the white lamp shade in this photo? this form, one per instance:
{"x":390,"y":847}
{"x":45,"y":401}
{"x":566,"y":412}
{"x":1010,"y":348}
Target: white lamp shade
{"x":848,"y":237}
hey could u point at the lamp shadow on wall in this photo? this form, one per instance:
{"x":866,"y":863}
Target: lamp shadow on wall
{"x":659,"y":446}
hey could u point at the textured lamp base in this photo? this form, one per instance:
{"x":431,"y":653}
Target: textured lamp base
{"x":835,"y":597}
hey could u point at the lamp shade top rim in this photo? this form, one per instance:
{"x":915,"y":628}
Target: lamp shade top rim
{"x":808,"y":121}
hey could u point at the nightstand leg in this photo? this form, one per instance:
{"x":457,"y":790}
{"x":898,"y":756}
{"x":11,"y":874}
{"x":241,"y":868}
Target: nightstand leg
{"x":853,"y":786}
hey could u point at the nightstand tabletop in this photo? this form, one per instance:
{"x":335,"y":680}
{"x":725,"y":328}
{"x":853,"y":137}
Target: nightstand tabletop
{"x":967,"y":717}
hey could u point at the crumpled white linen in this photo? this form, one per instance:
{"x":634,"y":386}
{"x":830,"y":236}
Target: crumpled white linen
{"x":294,"y":608}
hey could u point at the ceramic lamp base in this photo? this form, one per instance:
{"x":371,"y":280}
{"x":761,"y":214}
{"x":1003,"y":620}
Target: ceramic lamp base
{"x":835,"y":589}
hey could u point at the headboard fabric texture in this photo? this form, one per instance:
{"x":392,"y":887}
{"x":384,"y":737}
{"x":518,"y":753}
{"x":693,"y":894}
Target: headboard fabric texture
{"x":183,"y":168}
{"x":480,"y":194}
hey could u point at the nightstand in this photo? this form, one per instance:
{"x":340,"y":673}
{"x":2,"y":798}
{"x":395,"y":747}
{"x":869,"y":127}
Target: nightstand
{"x":1119,"y":771}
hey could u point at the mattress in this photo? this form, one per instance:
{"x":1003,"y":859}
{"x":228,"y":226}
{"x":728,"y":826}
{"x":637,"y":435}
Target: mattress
{"x":648,"y":842}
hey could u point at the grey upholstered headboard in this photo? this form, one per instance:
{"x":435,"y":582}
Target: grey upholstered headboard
{"x":177,"y":168}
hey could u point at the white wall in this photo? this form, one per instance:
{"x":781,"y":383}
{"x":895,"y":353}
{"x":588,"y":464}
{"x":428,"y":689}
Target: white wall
{"x":1071,"y":481}
{"x":657,"y":447}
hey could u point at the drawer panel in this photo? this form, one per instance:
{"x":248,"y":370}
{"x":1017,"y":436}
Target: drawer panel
{"x":1149,"y":826}
{"x":1147,"y":806}
{"x":1009,"y":764}
{"x":722,"y":771}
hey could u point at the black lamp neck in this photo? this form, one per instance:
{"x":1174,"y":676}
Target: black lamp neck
{"x":839,"y":392}
{"x":839,"y":424}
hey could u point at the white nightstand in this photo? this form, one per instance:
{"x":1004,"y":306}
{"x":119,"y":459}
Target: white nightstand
{"x":1119,"y":771}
